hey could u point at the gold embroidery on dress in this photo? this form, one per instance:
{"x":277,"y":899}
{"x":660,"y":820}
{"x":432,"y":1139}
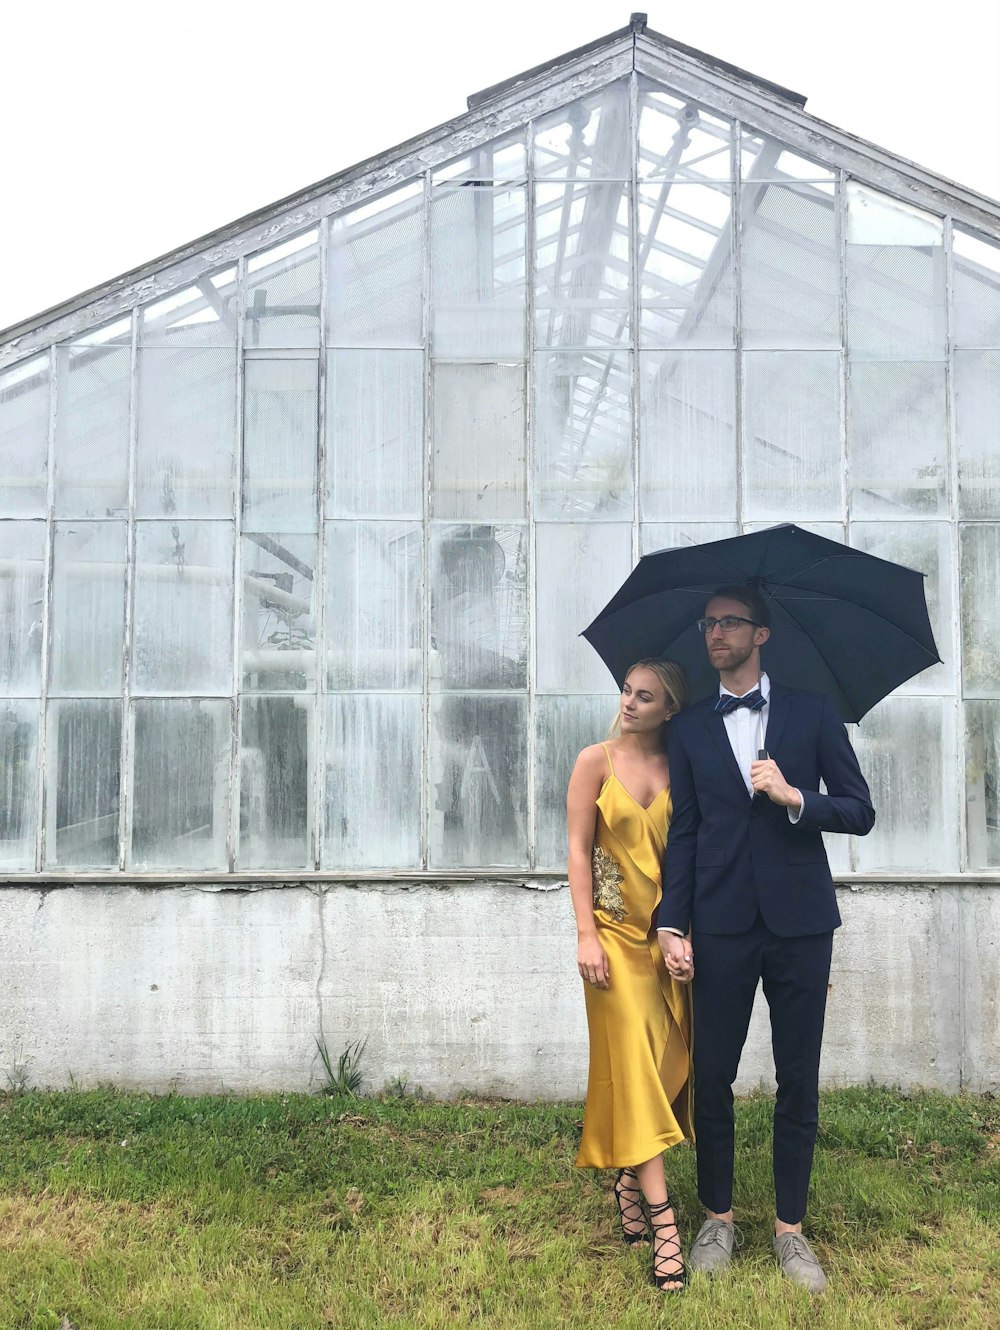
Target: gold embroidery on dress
{"x":608,"y":879}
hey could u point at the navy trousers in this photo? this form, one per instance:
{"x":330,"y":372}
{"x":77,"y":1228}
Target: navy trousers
{"x":796,"y":973}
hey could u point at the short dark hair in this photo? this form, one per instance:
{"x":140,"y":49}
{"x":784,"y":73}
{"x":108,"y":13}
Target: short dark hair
{"x":748,"y":596}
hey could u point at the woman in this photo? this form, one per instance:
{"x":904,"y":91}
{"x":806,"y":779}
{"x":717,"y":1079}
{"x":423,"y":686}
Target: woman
{"x":618,"y":810}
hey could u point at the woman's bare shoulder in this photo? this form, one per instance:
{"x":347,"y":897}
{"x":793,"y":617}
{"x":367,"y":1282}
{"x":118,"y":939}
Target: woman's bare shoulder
{"x":593,"y":758}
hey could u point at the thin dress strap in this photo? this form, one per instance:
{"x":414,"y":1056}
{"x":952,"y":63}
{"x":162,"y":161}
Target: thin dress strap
{"x":607,"y":754}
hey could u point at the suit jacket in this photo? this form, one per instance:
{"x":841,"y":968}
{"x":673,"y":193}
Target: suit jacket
{"x":729,"y":855}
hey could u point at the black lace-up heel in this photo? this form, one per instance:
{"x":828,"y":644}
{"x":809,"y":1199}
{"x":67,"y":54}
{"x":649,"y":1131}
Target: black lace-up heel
{"x":630,"y":1210}
{"x":667,"y":1248}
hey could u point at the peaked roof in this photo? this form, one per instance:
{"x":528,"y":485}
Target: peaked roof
{"x":760,"y":104}
{"x":637,"y":27}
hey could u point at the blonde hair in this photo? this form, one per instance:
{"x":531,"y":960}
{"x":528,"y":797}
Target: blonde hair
{"x":674,"y":681}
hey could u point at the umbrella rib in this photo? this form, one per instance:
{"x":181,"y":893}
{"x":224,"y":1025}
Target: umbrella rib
{"x":801,"y":572}
{"x":821,"y":653}
{"x":846,"y":600}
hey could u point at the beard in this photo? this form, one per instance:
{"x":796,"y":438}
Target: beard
{"x":731,"y":658}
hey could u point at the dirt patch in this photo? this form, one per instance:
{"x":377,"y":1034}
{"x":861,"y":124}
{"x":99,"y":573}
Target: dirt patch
{"x":76,"y":1223}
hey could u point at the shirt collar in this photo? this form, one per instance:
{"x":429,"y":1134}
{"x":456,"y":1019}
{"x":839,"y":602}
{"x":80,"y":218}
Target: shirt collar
{"x":764,"y":685}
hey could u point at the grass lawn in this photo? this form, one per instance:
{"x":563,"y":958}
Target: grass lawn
{"x":127,"y":1212}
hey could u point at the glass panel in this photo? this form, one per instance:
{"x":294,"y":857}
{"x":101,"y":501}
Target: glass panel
{"x":925,"y":546}
{"x":202,"y":315}
{"x":278,"y":647}
{"x":564,"y":725}
{"x":18,"y":742}
{"x":183,"y":620}
{"x":588,"y":138}
{"x":374,"y":613}
{"x":686,"y":265}
{"x":376,"y":272}
{"x":895,"y":279}
{"x":373,"y":748}
{"x":22,"y":587}
{"x":477,"y":271}
{"x":687,"y":432}
{"x":83,"y":759}
{"x":281,"y":441}
{"x":976,"y":290}
{"x":499,"y":159}
{"x":764,"y":158}
{"x":583,"y":433}
{"x":906,"y":748}
{"x":92,"y":426}
{"x":581,"y":265}
{"x":88,"y":608}
{"x":982,"y":783}
{"x":578,"y":568}
{"x":898,"y":434}
{"x":479,"y":441}
{"x":828,"y":530}
{"x":180,"y":783}
{"x":792,"y":434}
{"x":980,"y":587}
{"x":282,"y":294}
{"x":977,"y":432}
{"x":375,"y":434}
{"x":478,"y":782}
{"x":655,"y":536}
{"x":24,"y":438}
{"x":187,"y":432}
{"x":791,"y":266}
{"x":479,"y":615}
{"x":276,"y":742}
{"x":678,"y":139}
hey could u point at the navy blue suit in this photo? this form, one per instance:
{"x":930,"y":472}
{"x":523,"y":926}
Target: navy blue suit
{"x":756,"y":892}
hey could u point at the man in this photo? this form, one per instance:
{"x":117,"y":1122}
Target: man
{"x":746,"y":875}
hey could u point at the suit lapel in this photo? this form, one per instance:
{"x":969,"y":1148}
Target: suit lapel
{"x":717,"y":728}
{"x":779,"y":703}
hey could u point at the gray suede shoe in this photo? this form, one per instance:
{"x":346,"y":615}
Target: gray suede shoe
{"x":712,"y":1249}
{"x":798,"y":1262}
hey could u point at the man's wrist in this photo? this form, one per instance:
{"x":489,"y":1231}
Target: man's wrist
{"x":665,"y":929}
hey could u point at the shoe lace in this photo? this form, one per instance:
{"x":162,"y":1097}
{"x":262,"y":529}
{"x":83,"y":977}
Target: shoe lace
{"x":800,"y":1247}
{"x":666,"y":1243}
{"x":629,"y":1197}
{"x":717,"y":1233}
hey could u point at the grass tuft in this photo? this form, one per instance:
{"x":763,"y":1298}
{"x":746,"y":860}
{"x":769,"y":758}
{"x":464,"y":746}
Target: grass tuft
{"x":347,"y":1079}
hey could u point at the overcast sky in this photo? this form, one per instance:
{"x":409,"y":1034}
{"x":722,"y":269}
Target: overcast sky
{"x":130,"y":128}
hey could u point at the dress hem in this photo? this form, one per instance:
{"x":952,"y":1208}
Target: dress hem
{"x":665,"y":1143}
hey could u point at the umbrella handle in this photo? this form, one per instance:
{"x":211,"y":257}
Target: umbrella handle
{"x":761,"y":757}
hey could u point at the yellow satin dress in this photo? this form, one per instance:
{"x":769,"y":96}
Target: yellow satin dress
{"x":638,"y":1101}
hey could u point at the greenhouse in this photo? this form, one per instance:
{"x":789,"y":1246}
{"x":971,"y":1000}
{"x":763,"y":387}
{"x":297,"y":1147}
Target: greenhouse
{"x":301,"y":524}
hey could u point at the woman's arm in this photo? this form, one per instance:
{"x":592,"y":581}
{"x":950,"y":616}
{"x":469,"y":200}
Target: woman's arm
{"x":581,"y":820}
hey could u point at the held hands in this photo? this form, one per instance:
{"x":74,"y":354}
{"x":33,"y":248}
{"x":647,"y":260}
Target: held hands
{"x":592,"y":961}
{"x":766,"y":778}
{"x":678,"y":955}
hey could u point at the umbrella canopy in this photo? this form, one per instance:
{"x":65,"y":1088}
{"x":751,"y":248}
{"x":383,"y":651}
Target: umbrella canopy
{"x":842,"y":622}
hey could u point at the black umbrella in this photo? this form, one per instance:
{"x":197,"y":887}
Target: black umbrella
{"x":842,"y":622}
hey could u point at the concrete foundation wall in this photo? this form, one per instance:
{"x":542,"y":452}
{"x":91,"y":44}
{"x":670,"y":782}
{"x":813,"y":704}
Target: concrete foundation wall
{"x":468,"y":986}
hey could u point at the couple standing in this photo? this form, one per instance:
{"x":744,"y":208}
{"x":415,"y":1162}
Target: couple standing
{"x":739,"y":892}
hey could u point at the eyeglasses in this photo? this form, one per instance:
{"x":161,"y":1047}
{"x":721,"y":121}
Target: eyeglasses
{"x":728,"y":623}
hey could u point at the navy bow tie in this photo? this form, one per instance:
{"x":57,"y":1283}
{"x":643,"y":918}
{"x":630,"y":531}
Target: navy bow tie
{"x":728,"y":704}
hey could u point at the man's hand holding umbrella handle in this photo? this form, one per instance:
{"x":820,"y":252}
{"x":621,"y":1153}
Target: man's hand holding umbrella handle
{"x":678,"y":955}
{"x":766,"y":778}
